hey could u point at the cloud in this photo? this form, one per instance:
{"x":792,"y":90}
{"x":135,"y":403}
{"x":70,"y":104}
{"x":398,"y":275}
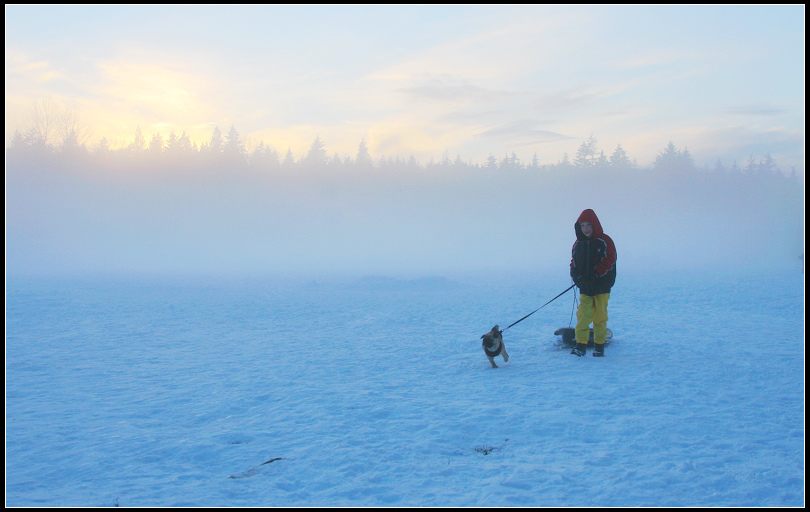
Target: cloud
{"x":754,"y":109}
{"x":655,"y":57}
{"x":22,"y":69}
{"x":524,"y":132}
{"x":154,"y":87}
{"x":565,"y":101}
{"x":447,"y":90}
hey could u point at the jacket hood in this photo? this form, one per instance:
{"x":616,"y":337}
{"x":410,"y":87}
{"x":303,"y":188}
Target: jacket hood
{"x":588,"y":216}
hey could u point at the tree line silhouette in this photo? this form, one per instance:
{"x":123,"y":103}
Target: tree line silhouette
{"x":56,"y":138}
{"x":47,"y":140}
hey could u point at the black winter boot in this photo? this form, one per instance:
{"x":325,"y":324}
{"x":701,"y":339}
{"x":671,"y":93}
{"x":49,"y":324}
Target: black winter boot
{"x":579,"y":349}
{"x":598,"y":350}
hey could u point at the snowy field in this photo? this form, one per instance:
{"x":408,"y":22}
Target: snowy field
{"x":375,"y":392}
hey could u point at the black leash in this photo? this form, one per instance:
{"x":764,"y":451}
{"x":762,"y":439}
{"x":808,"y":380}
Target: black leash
{"x":573,"y":308}
{"x":541,"y":307}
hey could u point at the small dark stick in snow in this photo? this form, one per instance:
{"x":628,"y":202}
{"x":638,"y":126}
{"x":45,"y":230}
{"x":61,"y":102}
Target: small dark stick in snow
{"x":252,"y":471}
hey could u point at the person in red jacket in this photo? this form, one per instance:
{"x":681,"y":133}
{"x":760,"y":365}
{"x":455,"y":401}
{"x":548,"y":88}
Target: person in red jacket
{"x":593,"y":269}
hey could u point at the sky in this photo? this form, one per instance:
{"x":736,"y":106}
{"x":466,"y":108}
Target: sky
{"x":725,"y":82}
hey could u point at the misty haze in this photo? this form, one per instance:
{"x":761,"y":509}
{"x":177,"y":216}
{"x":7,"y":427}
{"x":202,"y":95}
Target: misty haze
{"x":147,"y":211}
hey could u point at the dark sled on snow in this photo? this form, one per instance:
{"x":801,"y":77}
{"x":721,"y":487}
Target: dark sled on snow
{"x":569,"y":338}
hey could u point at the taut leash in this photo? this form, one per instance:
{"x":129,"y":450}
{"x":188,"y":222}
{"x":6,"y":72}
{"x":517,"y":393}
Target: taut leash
{"x":541,"y":307}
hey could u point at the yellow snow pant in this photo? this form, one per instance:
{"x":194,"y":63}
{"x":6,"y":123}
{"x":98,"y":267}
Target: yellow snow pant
{"x":592,"y":308}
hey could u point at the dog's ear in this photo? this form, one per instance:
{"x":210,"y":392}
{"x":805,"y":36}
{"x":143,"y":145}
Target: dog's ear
{"x":495,"y":329}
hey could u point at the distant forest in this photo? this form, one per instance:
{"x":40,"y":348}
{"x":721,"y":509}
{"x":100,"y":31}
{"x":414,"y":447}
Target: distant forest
{"x":57,"y":131}
{"x":42,"y":143}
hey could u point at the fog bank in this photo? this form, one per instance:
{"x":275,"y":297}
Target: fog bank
{"x":74,"y":219}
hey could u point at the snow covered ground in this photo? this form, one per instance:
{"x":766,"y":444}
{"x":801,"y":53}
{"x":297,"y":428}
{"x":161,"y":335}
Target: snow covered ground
{"x":375,"y":392}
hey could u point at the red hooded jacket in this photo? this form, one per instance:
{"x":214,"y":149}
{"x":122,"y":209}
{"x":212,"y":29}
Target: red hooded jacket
{"x":593,"y":259}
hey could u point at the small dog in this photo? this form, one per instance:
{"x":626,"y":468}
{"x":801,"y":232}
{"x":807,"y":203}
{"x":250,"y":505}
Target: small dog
{"x":493,"y":346}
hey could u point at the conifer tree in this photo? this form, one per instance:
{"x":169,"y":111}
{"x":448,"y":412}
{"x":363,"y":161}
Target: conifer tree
{"x":233,"y":146}
{"x":216,"y":144}
{"x":587,"y":155}
{"x":138,"y":143}
{"x":619,"y":158}
{"x":317,"y":153}
{"x":363,"y":158}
